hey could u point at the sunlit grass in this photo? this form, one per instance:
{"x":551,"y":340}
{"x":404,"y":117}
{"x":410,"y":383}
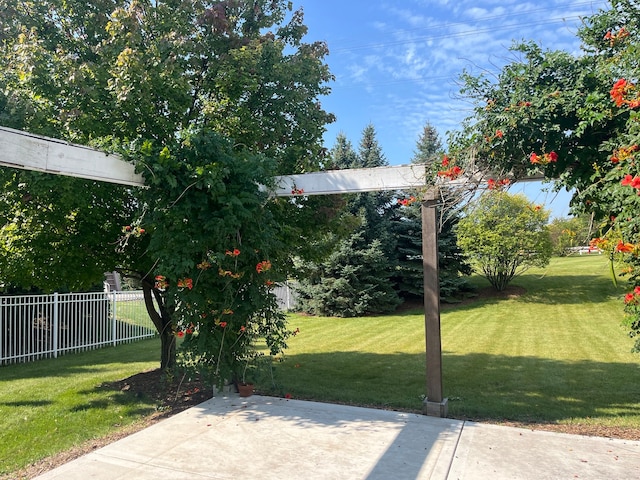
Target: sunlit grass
{"x":557,"y":353}
{"x":52,"y":405}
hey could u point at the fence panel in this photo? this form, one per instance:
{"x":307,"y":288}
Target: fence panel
{"x":44,"y":326}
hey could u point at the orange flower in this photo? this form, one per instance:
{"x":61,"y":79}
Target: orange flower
{"x":624,"y":247}
{"x":621,"y":89}
{"x":630,"y":181}
{"x":545,"y":159}
{"x":452,"y":173}
{"x":232,"y":253}
{"x":263,"y":266}
{"x":499,"y":133}
{"x":223,"y":324}
{"x":185,"y":283}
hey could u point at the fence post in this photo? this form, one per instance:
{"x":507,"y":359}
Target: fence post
{"x":113,"y":318}
{"x":55,"y":325}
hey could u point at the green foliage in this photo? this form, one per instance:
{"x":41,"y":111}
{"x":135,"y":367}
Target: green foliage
{"x":585,"y":110}
{"x":355,"y":278}
{"x":503,"y":235}
{"x":152,"y":80}
{"x":53,"y":230}
{"x":570,"y":232}
{"x":216,"y":247}
{"x":428,"y":147}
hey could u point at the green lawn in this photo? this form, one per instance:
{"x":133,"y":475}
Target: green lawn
{"x":557,"y":353}
{"x":51,"y":405}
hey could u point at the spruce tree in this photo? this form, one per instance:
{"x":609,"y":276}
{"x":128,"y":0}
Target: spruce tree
{"x":356,"y":278}
{"x":407,"y":228}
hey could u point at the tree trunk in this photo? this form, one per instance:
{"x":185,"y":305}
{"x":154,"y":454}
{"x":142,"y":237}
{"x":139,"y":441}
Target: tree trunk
{"x":162,"y":321}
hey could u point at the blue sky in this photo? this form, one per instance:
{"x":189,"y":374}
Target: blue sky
{"x":397,"y":63}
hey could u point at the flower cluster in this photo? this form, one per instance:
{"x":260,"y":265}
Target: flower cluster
{"x":228,"y":273}
{"x":232,"y":253}
{"x":203,"y":265}
{"x":623,"y":247}
{"x":600,"y":244}
{"x":405,"y":202}
{"x":631,"y":181}
{"x":452,"y":172}
{"x":633,"y":298}
{"x":185,"y":283}
{"x":161,"y":282}
{"x":543,"y":159}
{"x":623,"y":153}
{"x":136,"y":231}
{"x":498,"y":184}
{"x":620,"y":92}
{"x":297,"y":191}
{"x":187,"y":331}
{"x":616,"y":37}
{"x":263,"y":266}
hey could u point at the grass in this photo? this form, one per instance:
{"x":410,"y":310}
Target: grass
{"x":52,"y":405}
{"x":556,"y":354}
{"x":133,"y":312}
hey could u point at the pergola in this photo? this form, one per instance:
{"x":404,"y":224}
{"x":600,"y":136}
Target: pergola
{"x":32,"y":152}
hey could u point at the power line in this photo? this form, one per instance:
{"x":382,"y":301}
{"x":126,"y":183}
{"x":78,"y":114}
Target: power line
{"x":467,"y":33}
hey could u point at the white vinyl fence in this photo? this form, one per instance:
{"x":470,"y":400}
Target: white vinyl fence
{"x":44,"y":326}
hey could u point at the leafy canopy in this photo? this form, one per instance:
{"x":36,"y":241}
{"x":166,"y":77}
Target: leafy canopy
{"x":210,"y":99}
{"x":573,"y":119}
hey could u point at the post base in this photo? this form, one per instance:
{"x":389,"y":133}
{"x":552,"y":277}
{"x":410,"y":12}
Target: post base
{"x":435,"y":409}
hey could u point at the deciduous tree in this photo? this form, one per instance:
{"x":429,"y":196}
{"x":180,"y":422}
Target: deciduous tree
{"x":153,"y":81}
{"x":503,"y":235}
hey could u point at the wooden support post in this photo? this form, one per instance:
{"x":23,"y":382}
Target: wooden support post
{"x":434,"y":404}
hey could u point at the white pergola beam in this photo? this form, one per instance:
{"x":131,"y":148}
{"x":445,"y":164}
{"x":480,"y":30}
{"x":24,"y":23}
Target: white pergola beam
{"x":33,"y":152}
{"x":353,"y":180}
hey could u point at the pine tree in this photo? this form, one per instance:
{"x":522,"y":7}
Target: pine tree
{"x":356,"y":278}
{"x":428,"y":147}
{"x":407,"y":227}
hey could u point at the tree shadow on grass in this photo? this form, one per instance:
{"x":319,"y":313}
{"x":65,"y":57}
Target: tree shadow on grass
{"x":479,"y":386}
{"x":83,"y":362}
{"x":567,"y":289}
{"x":544,"y":290}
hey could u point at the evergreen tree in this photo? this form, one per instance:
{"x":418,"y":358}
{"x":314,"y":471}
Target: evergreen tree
{"x":356,"y":278}
{"x":407,"y":228}
{"x":428,"y":147}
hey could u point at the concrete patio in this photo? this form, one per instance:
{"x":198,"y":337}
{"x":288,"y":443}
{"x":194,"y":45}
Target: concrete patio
{"x":274,"y":438}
